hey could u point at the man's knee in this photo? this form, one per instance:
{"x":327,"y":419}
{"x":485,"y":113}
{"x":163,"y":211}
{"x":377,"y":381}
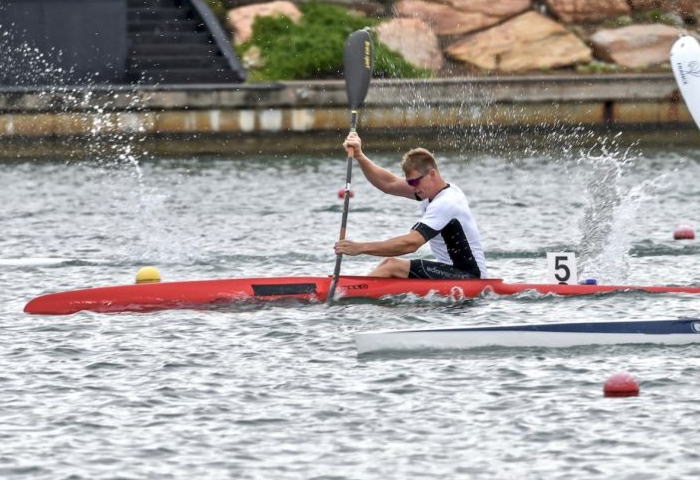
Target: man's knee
{"x":392,"y":267}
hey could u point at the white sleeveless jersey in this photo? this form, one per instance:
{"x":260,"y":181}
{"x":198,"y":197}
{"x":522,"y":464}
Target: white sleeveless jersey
{"x":448,"y":225}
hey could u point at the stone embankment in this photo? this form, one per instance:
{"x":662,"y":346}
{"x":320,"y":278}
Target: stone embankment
{"x":312,"y":115}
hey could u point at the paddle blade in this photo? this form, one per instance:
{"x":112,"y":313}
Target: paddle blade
{"x":358,"y":62}
{"x":685,"y":61}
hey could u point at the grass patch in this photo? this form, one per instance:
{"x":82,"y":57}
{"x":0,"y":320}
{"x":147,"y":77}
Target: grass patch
{"x":644,"y":17}
{"x":657,"y":16}
{"x":313,"y":48}
{"x":598,"y":67}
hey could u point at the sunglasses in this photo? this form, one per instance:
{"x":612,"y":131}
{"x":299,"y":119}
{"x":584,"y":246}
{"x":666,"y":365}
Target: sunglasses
{"x":415,"y":181}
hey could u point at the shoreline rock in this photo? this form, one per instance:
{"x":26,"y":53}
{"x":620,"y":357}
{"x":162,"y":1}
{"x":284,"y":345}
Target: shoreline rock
{"x":414,"y":40}
{"x":635,"y":46}
{"x":529,"y":41}
{"x":460,"y":16}
{"x":576,"y":11}
{"x":240,"y":20}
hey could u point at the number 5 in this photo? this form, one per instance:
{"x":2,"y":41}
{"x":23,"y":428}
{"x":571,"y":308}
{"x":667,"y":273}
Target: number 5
{"x":560,"y":264}
{"x":561,"y":268}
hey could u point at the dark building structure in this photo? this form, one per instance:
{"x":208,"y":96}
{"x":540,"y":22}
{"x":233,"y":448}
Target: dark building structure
{"x":97,"y":42}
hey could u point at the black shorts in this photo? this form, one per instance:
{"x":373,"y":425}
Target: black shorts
{"x":436,"y":270}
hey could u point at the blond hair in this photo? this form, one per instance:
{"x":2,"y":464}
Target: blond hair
{"x":418,"y":159}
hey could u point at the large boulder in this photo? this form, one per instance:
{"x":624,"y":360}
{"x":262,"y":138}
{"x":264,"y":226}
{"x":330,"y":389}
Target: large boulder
{"x":497,"y":8}
{"x":529,"y":41}
{"x":414,"y":40}
{"x":241,"y":19}
{"x":582,"y":11}
{"x":635,"y":46}
{"x":468,"y":17}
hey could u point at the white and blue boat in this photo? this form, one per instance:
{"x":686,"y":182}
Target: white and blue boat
{"x":666,"y":332}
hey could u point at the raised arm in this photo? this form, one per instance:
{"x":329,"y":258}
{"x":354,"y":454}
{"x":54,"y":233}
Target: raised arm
{"x":380,"y":177}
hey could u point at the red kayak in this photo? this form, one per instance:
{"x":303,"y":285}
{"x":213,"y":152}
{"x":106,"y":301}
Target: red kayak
{"x":207,"y":293}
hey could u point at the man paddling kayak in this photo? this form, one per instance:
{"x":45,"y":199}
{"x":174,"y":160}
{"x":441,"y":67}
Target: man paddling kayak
{"x":446,"y":223}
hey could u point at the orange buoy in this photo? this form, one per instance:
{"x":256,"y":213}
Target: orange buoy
{"x":341,"y":193}
{"x":621,"y":385}
{"x":684,"y":232}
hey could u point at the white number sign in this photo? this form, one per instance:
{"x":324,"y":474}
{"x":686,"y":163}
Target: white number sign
{"x":561,"y":268}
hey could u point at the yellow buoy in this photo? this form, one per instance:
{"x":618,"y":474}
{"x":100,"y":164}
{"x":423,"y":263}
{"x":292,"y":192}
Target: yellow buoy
{"x":147,"y":275}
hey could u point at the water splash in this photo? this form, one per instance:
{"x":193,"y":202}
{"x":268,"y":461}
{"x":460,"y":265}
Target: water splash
{"x":611,"y":214}
{"x":457,"y":124}
{"x":25,"y":64}
{"x":108,"y":143}
{"x":470,"y":121}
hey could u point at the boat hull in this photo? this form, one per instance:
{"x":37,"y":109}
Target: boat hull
{"x":554,"y":335}
{"x":210,"y":293}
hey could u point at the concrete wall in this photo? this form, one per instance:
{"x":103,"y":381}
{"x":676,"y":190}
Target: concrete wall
{"x":254,"y":113}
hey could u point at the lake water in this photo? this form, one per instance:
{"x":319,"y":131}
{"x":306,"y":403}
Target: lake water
{"x":278,"y":391}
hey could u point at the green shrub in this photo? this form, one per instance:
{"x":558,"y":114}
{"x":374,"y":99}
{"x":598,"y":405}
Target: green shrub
{"x":313,"y":48}
{"x":643,"y":16}
{"x":656,"y":16}
{"x":621,"y":21}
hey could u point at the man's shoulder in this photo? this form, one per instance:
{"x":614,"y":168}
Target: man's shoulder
{"x":451,"y":195}
{"x":452,"y":202}
{"x":454,"y":189}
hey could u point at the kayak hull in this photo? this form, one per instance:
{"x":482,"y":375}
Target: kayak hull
{"x":210,"y":293}
{"x":148,"y":297}
{"x":554,"y":335}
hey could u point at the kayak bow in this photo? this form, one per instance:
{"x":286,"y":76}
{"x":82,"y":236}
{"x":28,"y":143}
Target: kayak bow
{"x":207,"y":293}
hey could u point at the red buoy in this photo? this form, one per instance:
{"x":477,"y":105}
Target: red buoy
{"x":621,"y":385}
{"x":341,"y":193}
{"x":684,"y":232}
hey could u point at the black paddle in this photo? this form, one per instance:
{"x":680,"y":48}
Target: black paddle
{"x":358,"y":61}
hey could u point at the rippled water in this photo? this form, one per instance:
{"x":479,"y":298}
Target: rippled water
{"x":277,"y":391}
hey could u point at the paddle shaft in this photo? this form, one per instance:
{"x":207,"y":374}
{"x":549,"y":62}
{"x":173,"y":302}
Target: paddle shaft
{"x":358,"y":60}
{"x":346,"y":208}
